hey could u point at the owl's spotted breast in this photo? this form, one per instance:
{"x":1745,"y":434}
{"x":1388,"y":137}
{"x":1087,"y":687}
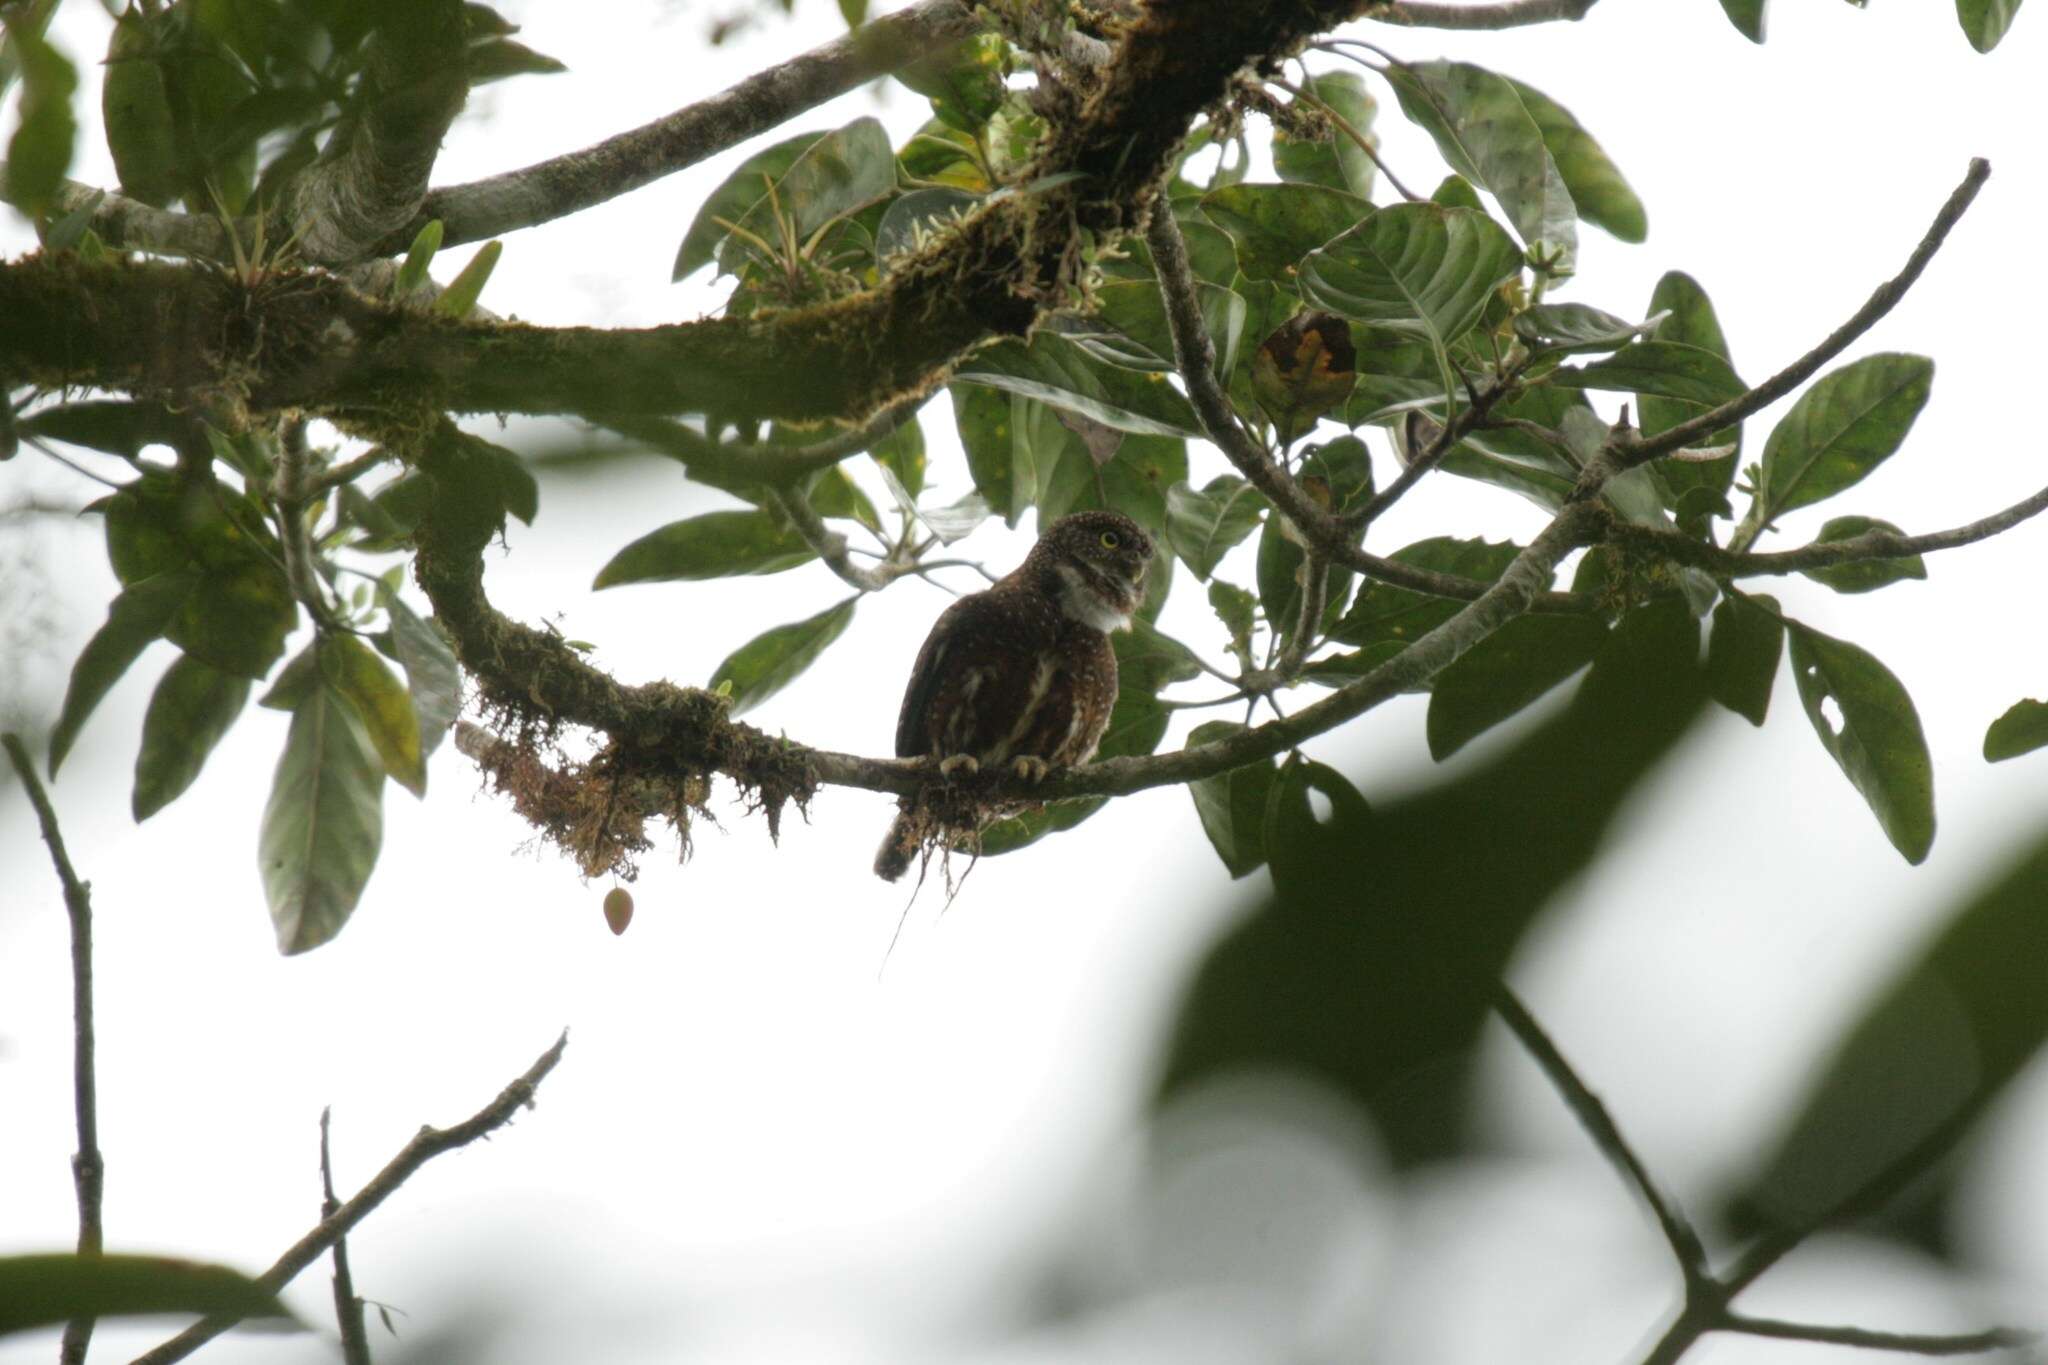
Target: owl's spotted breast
{"x":1021,"y":678}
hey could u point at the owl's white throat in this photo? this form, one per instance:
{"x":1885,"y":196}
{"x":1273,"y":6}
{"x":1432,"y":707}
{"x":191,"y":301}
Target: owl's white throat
{"x":1087,"y":598}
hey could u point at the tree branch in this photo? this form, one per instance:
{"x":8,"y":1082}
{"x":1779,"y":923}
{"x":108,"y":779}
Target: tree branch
{"x":348,"y":1309}
{"x":88,"y":1168}
{"x":831,"y":546}
{"x":1683,"y":549}
{"x":427,"y":1144}
{"x":1881,"y":301}
{"x":566,"y":184}
{"x":1592,"y":1115}
{"x":1909,"y":1343}
{"x":1514,"y":14}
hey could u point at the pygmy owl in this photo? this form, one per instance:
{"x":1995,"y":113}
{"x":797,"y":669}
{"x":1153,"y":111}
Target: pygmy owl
{"x":1021,"y":676}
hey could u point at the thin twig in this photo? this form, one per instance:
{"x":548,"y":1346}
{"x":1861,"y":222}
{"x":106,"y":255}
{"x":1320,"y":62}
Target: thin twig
{"x":831,"y":546}
{"x":88,"y":1168}
{"x":348,"y":1309}
{"x":1516,"y":14}
{"x":1592,"y":1115}
{"x":426,"y":1144}
{"x":1308,"y":624}
{"x":348,"y":471}
{"x":1908,"y":1343}
{"x":1881,"y":301}
{"x":721,"y":463}
{"x":1346,"y":127}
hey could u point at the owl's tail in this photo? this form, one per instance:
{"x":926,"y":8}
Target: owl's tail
{"x":899,"y":845}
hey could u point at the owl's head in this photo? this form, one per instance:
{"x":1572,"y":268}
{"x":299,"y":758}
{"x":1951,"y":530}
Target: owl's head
{"x":1098,"y":560}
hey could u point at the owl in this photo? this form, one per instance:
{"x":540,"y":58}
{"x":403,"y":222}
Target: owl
{"x":1020,"y":677}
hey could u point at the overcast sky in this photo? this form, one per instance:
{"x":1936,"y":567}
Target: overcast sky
{"x":766,"y":1145}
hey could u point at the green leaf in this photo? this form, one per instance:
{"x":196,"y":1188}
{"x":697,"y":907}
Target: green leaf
{"x":1666,"y":369}
{"x":1280,"y":568}
{"x":2021,"y":730}
{"x":1237,"y":610}
{"x":295,"y":681}
{"x":1506,"y":672}
{"x":413,"y":273}
{"x":714,"y":545}
{"x":1299,"y":847}
{"x":236,"y":617}
{"x":497,"y":58}
{"x":855,"y":12}
{"x":1842,"y":428}
{"x":833,"y":493}
{"x":1570,"y":327}
{"x":134,"y":619}
{"x":1690,"y":321}
{"x":432,"y":676}
{"x":1985,"y":21}
{"x":1874,"y":734}
{"x":137,"y":112}
{"x":964,"y":82}
{"x":1333,"y":160}
{"x":1416,"y":268}
{"x":1203,"y":526}
{"x":987,"y":425}
{"x":1138,"y":314}
{"x":323,"y":824}
{"x":381,"y":705}
{"x":1488,"y":135}
{"x":461,"y":294}
{"x":191,"y":709}
{"x":40,"y":151}
{"x":1863,"y":575}
{"x":1232,"y":805}
{"x":1602,"y":196}
{"x":1274,"y":226}
{"x":1931,"y":1049}
{"x":777,"y":657}
{"x":834,"y":175}
{"x":1747,"y":16}
{"x":1517,"y":460}
{"x":917,"y":215}
{"x":902,"y":454}
{"x":1134,"y":481}
{"x":45,"y":1290}
{"x":117,"y":427}
{"x":1386,"y":613}
{"x":1743,"y":652}
{"x":1054,"y":370}
{"x":732,"y":200}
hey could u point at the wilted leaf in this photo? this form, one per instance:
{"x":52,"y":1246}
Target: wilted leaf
{"x":1743,"y":653}
{"x":778,"y":656}
{"x":714,"y":545}
{"x":191,"y":709}
{"x":323,"y":824}
{"x":1867,"y":722}
{"x":1305,"y":369}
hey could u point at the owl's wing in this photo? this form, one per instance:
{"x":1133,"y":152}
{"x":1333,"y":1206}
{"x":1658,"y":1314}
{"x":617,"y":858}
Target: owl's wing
{"x":972,"y":632}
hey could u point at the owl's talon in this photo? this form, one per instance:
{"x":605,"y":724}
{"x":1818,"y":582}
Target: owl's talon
{"x":952,"y":765}
{"x":1029,"y":768}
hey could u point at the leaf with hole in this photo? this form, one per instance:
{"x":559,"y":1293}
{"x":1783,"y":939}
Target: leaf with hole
{"x":1866,"y":721}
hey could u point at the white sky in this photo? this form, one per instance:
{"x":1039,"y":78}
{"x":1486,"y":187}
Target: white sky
{"x":762,"y":1147}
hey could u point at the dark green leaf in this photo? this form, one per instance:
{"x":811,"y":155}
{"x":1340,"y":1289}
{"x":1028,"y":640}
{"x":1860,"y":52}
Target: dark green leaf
{"x":1332,"y":160}
{"x":1742,"y":654}
{"x":1237,"y":610}
{"x":1280,"y":567}
{"x":734,"y":197}
{"x":295,"y":681}
{"x":74,"y":228}
{"x":1691,"y":321}
{"x":1667,"y":369}
{"x":323,"y":824}
{"x":1299,"y":847}
{"x":833,"y":493}
{"x":1487,"y":134}
{"x":1232,"y":805}
{"x":1874,"y":734}
{"x":431,"y":673}
{"x":1134,"y":481}
{"x":714,"y":545}
{"x":914,"y":217}
{"x":1135,"y":310}
{"x":777,"y":657}
{"x":964,"y":82}
{"x":1985,"y":21}
{"x":1052,"y":369}
{"x":236,"y":617}
{"x":1506,"y":672}
{"x":1570,"y":327}
{"x":498,"y":58}
{"x":1863,"y":575}
{"x":902,"y":454}
{"x":1747,"y":16}
{"x":986,"y":422}
{"x":117,"y":427}
{"x":40,"y":151}
{"x":45,"y":1290}
{"x":1274,"y":226}
{"x":462,"y":292}
{"x":191,"y":709}
{"x":1456,"y":192}
{"x":134,"y":619}
{"x":1602,"y":196}
{"x":2021,"y":730}
{"x":1842,"y":428}
{"x":137,"y":112}
{"x":381,"y":705}
{"x":1387,"y":613}
{"x":1417,"y":268}
{"x":836,"y":174}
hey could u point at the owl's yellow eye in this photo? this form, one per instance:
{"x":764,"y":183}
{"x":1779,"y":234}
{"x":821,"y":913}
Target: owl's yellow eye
{"x":1110,"y":540}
